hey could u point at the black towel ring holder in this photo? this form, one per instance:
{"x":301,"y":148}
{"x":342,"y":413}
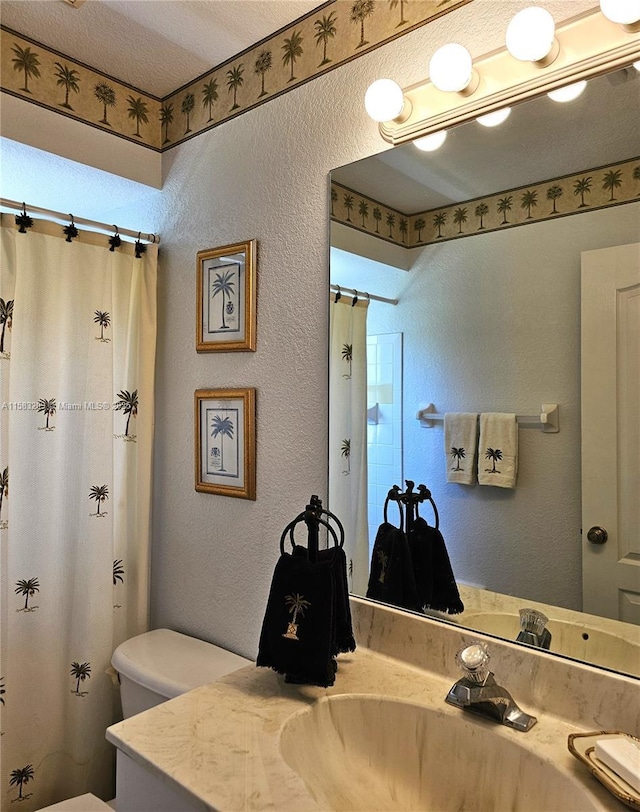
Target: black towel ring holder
{"x":429,"y":498}
{"x":301,"y":518}
{"x":315,"y":511}
{"x":394,"y":495}
{"x":411,"y":497}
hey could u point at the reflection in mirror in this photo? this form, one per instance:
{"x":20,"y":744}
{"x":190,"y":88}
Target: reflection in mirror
{"x":492,"y":246}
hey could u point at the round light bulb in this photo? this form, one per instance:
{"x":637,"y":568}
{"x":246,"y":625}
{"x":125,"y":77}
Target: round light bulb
{"x":431,"y":142}
{"x":568,"y":93}
{"x":495,"y":118}
{"x":625,"y":12}
{"x":451,"y":68}
{"x":384,"y":100}
{"x":530,"y":34}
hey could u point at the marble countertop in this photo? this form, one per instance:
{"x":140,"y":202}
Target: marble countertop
{"x":219,"y":744}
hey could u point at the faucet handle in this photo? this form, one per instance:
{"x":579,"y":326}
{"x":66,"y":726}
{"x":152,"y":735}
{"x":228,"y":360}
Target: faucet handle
{"x":531,"y":620}
{"x":473,"y":660}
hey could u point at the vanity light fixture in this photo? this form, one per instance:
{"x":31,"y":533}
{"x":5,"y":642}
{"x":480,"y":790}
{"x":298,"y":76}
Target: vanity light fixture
{"x":586,"y":45}
{"x":531,"y":37}
{"x":384,"y":101}
{"x":624,"y":12}
{"x":495,"y":118}
{"x":432,"y":142}
{"x":451,"y":70}
{"x":567,"y":93}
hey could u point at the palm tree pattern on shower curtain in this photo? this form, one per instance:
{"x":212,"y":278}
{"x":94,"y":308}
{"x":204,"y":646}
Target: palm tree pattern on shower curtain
{"x":65,"y":448}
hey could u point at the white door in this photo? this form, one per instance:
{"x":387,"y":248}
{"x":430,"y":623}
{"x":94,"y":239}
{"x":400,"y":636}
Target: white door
{"x":611,"y":432}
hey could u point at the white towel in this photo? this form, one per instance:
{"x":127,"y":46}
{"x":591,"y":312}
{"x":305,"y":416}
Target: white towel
{"x":498,"y":450}
{"x":460,"y":440}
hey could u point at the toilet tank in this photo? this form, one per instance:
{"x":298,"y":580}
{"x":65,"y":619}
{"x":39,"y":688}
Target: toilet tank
{"x":161,"y":664}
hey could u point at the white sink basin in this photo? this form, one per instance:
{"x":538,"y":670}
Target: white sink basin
{"x":581,"y":641}
{"x":363,"y":752}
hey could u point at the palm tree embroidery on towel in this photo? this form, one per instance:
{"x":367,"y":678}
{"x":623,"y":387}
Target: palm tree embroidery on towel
{"x":28,"y":588}
{"x":383,"y":558}
{"x":458,"y":454}
{"x":80,"y":672}
{"x":494,"y":454}
{"x":297,"y":604}
{"x":128,"y":403}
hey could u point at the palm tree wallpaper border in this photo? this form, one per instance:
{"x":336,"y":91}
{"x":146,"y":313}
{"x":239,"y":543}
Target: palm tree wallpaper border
{"x":596,"y":188}
{"x":325,"y":38}
{"x":49,"y":79}
{"x":226,"y":298}
{"x":225,"y":442}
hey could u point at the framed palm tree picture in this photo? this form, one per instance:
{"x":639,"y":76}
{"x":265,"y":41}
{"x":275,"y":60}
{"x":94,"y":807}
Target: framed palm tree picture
{"x":226,"y":298}
{"x":225,"y":442}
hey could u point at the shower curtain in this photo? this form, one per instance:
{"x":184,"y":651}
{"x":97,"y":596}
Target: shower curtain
{"x":348,"y":432}
{"x":77,"y":348}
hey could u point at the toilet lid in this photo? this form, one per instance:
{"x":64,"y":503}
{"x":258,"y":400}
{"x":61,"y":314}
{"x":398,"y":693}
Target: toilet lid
{"x":170,"y":663}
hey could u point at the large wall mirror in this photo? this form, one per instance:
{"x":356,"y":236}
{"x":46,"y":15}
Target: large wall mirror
{"x":481,"y":244}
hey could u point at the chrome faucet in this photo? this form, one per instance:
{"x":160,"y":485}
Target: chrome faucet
{"x":478,"y":692}
{"x":532,"y":629}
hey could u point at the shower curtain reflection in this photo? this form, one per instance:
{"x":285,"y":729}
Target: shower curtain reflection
{"x":348,"y":431}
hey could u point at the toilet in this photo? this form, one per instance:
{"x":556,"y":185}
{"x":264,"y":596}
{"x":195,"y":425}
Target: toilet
{"x":152,"y":668}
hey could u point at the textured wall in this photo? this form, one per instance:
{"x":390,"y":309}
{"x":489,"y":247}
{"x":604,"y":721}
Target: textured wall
{"x":265,"y":175}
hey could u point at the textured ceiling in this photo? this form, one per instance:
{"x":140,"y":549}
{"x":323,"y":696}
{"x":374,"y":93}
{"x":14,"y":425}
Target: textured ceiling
{"x":154,"y":45}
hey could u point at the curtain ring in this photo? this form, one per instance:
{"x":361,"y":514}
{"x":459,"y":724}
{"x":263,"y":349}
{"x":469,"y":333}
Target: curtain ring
{"x":354,"y":301}
{"x":23,"y":220}
{"x":71,"y":231}
{"x":140,"y":249}
{"x":338,"y":295}
{"x":115,"y":241}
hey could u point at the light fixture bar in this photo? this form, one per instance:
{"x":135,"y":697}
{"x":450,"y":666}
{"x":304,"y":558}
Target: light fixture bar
{"x":588,"y":43}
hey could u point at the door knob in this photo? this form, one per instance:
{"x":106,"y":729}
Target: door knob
{"x":597,"y":535}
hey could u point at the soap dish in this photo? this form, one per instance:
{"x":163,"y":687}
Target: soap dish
{"x":583,"y":745}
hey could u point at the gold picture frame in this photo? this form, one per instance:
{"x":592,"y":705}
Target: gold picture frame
{"x":226,"y":298}
{"x":225,"y":442}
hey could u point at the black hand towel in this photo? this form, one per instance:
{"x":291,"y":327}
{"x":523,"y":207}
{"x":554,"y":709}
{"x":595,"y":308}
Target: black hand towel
{"x":297,"y":630}
{"x":435,"y":581}
{"x":342,"y":638}
{"x":391,"y":577}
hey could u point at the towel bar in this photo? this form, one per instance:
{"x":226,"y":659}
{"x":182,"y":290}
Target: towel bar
{"x":548,"y":419}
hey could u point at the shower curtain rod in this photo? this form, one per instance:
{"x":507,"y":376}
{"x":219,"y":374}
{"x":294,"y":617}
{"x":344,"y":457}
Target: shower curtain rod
{"x":341,"y":289}
{"x":12,"y":204}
